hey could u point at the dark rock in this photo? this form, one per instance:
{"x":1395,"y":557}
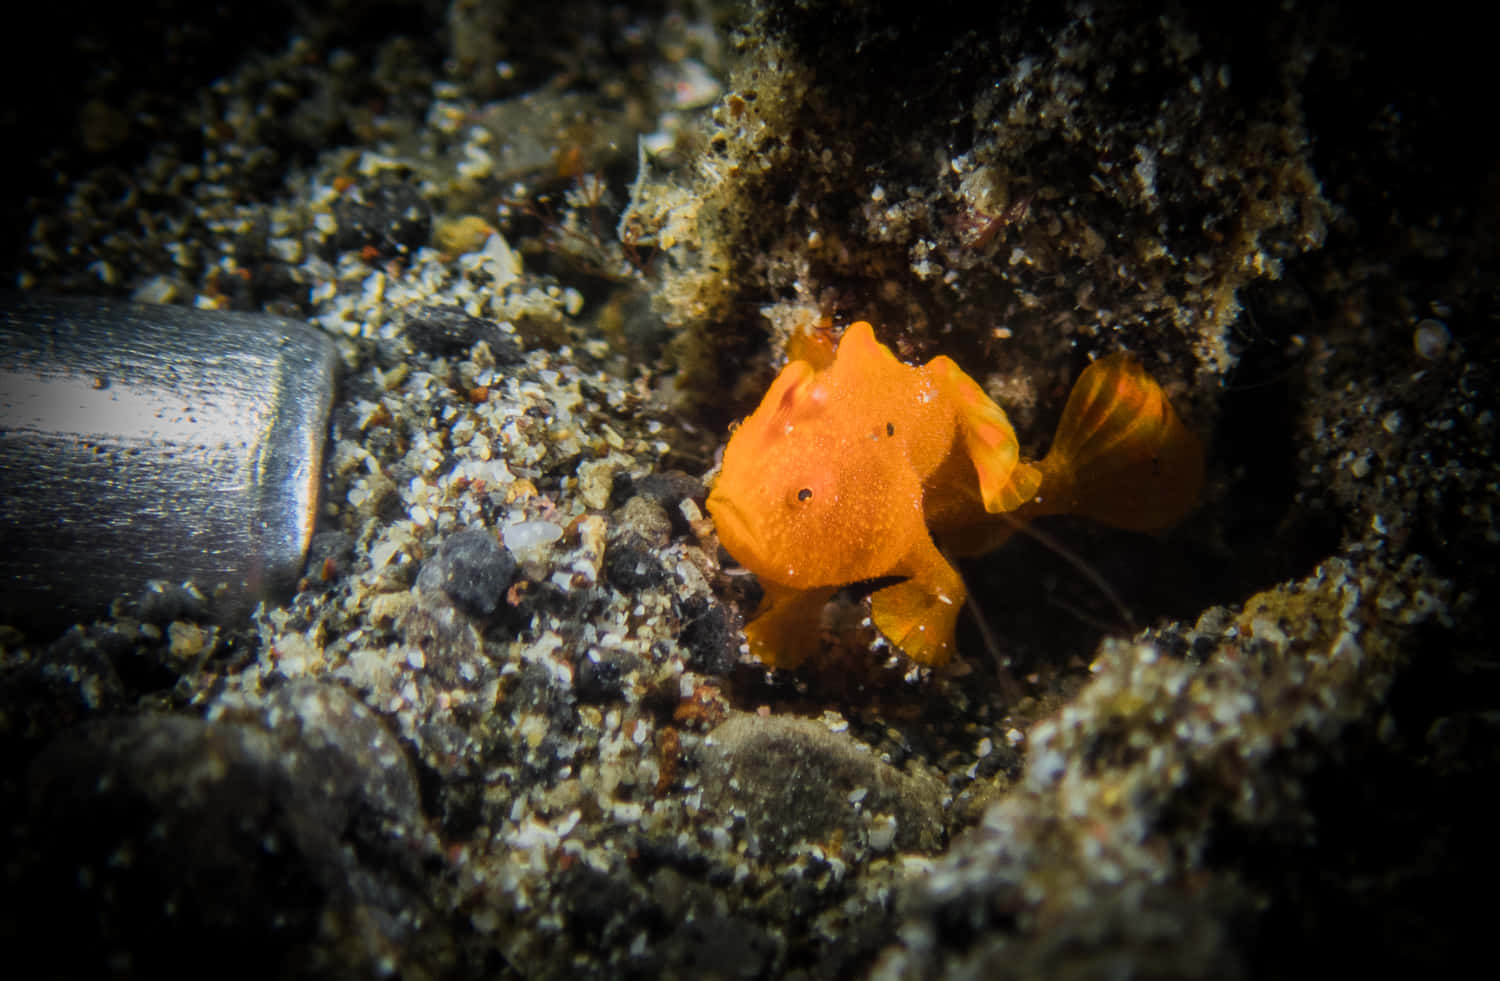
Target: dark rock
{"x":536,"y":690}
{"x":162,"y":602}
{"x":794,"y":780}
{"x":450,"y":332}
{"x":451,"y":647}
{"x":472,"y":569}
{"x":712,"y":945}
{"x":638,"y":530}
{"x":258,"y":847}
{"x":603,"y":907}
{"x":74,"y":679}
{"x":600,"y":675}
{"x":644,"y":518}
{"x":171,"y":826}
{"x":392,"y":217}
{"x":652,"y":854}
{"x":631,"y":566}
{"x":712,"y":643}
{"x":669,"y":487}
{"x":331,"y":741}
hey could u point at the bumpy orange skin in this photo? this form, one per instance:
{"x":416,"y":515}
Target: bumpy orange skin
{"x":850,"y":470}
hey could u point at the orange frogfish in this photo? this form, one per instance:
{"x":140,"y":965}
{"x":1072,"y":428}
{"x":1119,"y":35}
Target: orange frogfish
{"x":857,"y":467}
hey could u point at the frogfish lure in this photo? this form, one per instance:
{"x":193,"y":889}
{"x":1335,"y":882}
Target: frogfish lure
{"x":857,"y":466}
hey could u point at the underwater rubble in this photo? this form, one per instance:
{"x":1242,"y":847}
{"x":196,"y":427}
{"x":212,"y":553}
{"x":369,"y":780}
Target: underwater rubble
{"x":507,"y":725}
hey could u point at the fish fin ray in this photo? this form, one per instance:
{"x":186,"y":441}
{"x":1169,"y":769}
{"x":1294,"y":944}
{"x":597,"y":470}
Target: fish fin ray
{"x":1121,"y":455}
{"x":1005,"y":480}
{"x":787,"y":627}
{"x":920,"y":614}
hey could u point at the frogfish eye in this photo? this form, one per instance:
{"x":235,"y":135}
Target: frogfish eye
{"x":805,"y":494}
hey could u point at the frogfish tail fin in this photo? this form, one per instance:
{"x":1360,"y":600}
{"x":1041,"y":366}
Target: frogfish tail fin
{"x":1121,"y":455}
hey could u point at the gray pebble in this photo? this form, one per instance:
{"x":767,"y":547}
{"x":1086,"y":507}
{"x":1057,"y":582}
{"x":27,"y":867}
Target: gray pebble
{"x":472,"y":569}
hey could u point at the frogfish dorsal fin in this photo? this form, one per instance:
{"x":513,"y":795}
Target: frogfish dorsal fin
{"x":1121,"y":455}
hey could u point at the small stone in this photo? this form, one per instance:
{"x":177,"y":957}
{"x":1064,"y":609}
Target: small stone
{"x":1430,"y":339}
{"x":175,"y":821}
{"x":792,"y":779}
{"x":600,"y":675}
{"x":466,"y":233}
{"x":595,"y":480}
{"x":642,"y":518}
{"x":472,"y":569}
{"x":712,"y":643}
{"x":185,"y":640}
{"x":629,"y":565}
{"x":669,"y":487}
{"x":528,"y":536}
{"x":450,"y":332}
{"x":162,"y":603}
{"x":391,"y":216}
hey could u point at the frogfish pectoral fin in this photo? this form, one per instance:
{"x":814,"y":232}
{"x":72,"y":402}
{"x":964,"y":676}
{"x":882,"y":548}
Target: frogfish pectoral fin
{"x":1121,"y":455}
{"x":919,"y":615}
{"x":1005,"y":482}
{"x":786,"y":629}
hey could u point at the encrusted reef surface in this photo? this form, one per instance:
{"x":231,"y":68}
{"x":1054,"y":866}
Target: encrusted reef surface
{"x":506,"y":727}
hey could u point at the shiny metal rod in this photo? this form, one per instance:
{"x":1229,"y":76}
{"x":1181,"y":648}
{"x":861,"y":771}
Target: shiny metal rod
{"x":142,"y":442}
